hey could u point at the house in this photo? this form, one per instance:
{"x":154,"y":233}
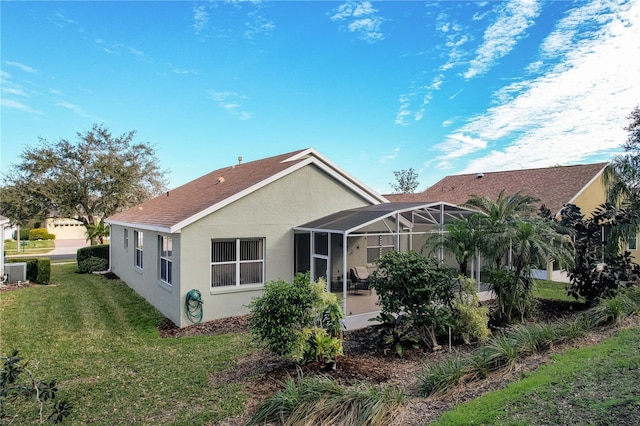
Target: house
{"x":556,"y":186}
{"x":66,"y":228}
{"x":231,"y":231}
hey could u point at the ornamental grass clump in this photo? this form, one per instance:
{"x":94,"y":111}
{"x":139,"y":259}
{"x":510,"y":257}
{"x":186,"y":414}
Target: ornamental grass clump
{"x":321,"y":400}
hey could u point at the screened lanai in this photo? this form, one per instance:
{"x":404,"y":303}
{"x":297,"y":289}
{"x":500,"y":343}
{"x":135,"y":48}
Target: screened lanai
{"x":330,"y":247}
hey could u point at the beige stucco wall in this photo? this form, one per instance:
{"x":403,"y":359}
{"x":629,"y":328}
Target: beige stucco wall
{"x":591,"y":197}
{"x":270,"y":213}
{"x":66,"y":229}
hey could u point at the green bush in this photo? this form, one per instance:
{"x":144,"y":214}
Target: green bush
{"x":100,"y":251}
{"x":92,"y":264}
{"x":299,"y":320}
{"x":421,"y":288}
{"x":24,"y":234}
{"x":44,"y":271}
{"x":471,"y":318}
{"x":40,"y":234}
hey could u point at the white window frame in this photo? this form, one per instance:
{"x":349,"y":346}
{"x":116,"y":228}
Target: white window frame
{"x":126,"y":239}
{"x":234,"y":267}
{"x":138,"y":243}
{"x":165,"y":248}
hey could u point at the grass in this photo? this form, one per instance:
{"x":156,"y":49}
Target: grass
{"x":552,"y":290}
{"x":100,"y":341}
{"x":32,"y":247}
{"x":590,"y":385}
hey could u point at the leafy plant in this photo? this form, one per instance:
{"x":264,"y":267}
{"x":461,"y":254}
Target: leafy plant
{"x":396,"y":332}
{"x":471,"y":319}
{"x":18,"y":394}
{"x":92,"y":264}
{"x":299,"y":320}
{"x":419,"y":287}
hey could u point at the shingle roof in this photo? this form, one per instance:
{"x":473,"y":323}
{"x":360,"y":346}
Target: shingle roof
{"x":185,"y":204}
{"x":554,"y":186}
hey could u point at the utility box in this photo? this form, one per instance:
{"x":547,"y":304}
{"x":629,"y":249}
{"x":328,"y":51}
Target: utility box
{"x":15,"y":272}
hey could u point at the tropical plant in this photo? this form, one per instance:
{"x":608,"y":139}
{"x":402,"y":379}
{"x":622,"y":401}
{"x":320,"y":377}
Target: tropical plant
{"x":97,"y":232}
{"x":461,"y":238}
{"x":396,"y":332}
{"x":600,"y":268}
{"x":471,"y":319}
{"x":419,"y":287}
{"x":496,"y":226}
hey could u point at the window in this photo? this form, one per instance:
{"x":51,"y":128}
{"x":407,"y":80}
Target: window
{"x":138,"y":244}
{"x":237,"y":262}
{"x":632,"y":244}
{"x":377,"y":245}
{"x":165,"y":247}
{"x":126,"y":239}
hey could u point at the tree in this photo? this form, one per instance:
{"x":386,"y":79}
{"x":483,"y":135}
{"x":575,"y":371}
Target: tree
{"x":88,"y":180}
{"x":600,"y":269}
{"x":622,"y":178}
{"x":497,"y":224}
{"x":461,"y":238}
{"x":406,"y":181}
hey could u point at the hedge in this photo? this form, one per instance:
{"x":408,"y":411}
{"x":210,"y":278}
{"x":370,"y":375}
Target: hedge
{"x":40,"y":234}
{"x":89,"y":257}
{"x":38,"y":269}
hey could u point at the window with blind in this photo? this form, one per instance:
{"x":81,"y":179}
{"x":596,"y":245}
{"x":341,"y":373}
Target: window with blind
{"x":377,"y":245}
{"x":237,"y":262}
{"x":165,"y":247}
{"x":138,"y":242}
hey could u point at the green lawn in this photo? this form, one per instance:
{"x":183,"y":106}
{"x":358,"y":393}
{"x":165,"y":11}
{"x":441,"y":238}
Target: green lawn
{"x":552,"y":290}
{"x":596,"y":385}
{"x":100,"y":341}
{"x":31,"y":247}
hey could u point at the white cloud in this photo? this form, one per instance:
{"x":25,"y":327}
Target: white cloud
{"x":361,"y":18}
{"x":576,"y":110}
{"x":22,"y":67}
{"x":7,"y":103}
{"x":390,"y":156}
{"x":232,"y":103}
{"x":200,"y":19}
{"x":72,"y":107}
{"x":501,"y":37}
{"x":459,"y":145}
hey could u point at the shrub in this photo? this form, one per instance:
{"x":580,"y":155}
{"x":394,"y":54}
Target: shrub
{"x":92,"y":264}
{"x":100,"y":251}
{"x":299,"y":320}
{"x":396,"y":333}
{"x":40,"y":234}
{"x":471,"y":319}
{"x":44,"y":271}
{"x":24,"y":234}
{"x":419,"y":287}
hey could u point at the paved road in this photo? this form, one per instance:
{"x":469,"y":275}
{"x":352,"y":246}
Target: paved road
{"x":65,"y":249}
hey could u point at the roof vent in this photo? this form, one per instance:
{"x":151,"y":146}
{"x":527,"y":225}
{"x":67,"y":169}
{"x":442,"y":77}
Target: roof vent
{"x":220,"y":180}
{"x":479,"y":175}
{"x":240,"y":160}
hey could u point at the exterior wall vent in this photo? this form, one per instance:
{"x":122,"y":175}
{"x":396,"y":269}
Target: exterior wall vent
{"x":15,"y":272}
{"x":479,"y":175}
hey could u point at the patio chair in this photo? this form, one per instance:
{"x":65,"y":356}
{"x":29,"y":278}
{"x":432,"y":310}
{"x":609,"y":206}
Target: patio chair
{"x":360,"y":278}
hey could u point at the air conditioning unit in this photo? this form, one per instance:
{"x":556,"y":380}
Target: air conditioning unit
{"x":15,"y":272}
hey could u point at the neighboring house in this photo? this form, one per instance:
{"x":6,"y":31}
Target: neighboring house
{"x":556,"y":186}
{"x":66,"y":229}
{"x":231,"y":231}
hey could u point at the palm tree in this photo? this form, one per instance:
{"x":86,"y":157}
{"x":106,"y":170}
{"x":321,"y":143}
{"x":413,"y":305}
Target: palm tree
{"x":460,"y":238}
{"x":497,"y":224}
{"x":96,"y":233}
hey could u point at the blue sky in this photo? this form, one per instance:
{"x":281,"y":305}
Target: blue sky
{"x":444,"y":87}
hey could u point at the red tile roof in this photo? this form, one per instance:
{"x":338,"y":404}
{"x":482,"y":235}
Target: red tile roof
{"x":554,"y":186}
{"x":202,"y":196}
